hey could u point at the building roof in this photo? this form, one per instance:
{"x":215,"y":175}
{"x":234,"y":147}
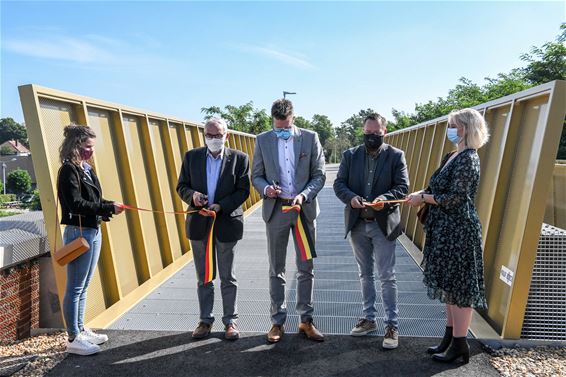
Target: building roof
{"x":16,"y":146}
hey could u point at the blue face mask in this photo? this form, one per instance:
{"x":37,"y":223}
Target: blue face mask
{"x":452,"y":135}
{"x":283,"y":133}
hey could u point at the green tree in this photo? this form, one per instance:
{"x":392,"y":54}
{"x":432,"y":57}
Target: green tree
{"x":241,"y":118}
{"x":6,"y":150}
{"x":12,"y":130}
{"x":322,"y":125}
{"x":547,"y":63}
{"x":35,"y":204}
{"x":18,"y":182}
{"x":302,"y":123}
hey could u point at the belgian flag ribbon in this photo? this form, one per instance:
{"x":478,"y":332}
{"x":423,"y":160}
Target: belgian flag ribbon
{"x":302,"y":235}
{"x":210,"y":255}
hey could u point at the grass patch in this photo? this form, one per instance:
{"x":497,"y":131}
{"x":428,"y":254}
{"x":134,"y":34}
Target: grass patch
{"x":5,"y":213}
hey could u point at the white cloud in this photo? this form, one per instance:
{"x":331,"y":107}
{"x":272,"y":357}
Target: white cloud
{"x":60,"y":48}
{"x":294,"y":60}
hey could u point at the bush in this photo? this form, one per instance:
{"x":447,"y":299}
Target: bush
{"x":18,"y":182}
{"x":7,"y":198}
{"x":35,"y":204}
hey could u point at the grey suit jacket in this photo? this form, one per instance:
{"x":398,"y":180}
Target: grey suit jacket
{"x":309,"y":169}
{"x":391,"y":182}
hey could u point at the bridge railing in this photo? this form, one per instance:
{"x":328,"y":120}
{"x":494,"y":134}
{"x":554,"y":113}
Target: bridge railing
{"x":138,"y":158}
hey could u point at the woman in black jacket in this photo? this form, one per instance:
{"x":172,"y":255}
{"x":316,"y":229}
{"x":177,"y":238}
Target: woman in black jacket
{"x":83,"y":208}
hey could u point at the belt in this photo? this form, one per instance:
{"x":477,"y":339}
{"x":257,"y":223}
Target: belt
{"x":286,"y":202}
{"x":368,"y":219}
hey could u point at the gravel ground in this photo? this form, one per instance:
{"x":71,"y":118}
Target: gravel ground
{"x":33,"y":356}
{"x":529,"y":362}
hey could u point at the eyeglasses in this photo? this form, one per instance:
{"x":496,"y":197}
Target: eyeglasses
{"x":217,"y":136}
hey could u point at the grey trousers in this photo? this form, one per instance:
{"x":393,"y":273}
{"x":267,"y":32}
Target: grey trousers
{"x":228,"y":283}
{"x":278,"y":229}
{"x":372,"y":249}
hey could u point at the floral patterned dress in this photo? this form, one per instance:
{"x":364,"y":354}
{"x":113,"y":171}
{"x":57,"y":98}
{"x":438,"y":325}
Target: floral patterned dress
{"x":453,"y":261}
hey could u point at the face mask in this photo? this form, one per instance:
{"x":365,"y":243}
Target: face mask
{"x":452,"y":135}
{"x":283,"y":133}
{"x":373,"y":142}
{"x":85,"y":154}
{"x":215,"y":145}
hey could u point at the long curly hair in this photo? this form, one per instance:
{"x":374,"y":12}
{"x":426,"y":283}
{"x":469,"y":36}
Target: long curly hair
{"x":75,"y":135}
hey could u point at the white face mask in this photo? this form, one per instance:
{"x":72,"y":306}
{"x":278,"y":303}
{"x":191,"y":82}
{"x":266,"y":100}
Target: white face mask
{"x":215,"y":145}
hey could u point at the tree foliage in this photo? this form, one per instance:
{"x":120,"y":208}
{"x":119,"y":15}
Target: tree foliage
{"x":18,"y":182}
{"x":241,"y":118}
{"x":12,"y":130}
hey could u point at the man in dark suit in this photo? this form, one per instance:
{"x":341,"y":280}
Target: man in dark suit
{"x":216,"y":178}
{"x":370,"y":173}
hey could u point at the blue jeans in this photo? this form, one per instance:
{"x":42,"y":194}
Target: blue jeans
{"x":371,"y":248}
{"x":79,"y":274}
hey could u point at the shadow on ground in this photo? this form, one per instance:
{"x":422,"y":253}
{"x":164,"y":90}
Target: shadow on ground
{"x":148,"y":353}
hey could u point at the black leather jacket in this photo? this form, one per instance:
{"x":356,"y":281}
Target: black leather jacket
{"x":86,"y":202}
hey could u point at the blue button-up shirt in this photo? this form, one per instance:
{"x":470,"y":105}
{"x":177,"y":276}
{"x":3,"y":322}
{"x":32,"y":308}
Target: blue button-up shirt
{"x":213,"y":166}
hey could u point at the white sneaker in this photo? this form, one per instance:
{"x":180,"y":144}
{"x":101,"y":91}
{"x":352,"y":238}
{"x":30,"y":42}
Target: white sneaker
{"x":81,"y":346}
{"x":363,"y":327}
{"x":93,"y":337}
{"x":391,"y":338}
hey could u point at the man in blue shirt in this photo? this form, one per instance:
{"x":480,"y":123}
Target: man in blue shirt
{"x":215,"y":178}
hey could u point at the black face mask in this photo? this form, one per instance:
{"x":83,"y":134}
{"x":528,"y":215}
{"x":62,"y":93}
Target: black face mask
{"x":373,"y":142}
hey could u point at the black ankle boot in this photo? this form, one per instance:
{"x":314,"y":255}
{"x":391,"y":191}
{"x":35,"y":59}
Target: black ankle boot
{"x":458,"y":347}
{"x":443,"y":346}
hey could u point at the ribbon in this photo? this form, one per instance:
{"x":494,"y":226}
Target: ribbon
{"x":125,"y":206}
{"x":209,"y":255}
{"x":368,"y":204}
{"x":302,"y":235}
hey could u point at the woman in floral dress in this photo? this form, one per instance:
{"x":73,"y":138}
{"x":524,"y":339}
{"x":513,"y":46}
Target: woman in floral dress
{"x":453,"y":261}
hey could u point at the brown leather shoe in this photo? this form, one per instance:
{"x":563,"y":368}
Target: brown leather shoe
{"x":202,"y":330}
{"x":232,"y":332}
{"x":275,"y":334}
{"x":310,"y":331}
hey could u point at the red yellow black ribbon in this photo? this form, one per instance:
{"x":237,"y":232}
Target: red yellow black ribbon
{"x":302,"y":235}
{"x":209,"y":255}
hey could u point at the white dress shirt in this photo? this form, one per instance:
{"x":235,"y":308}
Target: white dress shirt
{"x":286,"y":168}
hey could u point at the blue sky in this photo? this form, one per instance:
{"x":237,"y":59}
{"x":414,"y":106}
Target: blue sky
{"x":177,"y":57}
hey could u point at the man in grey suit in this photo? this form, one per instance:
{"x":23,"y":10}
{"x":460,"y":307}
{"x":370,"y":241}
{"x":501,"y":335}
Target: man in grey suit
{"x":371,"y":173}
{"x":288,"y":169}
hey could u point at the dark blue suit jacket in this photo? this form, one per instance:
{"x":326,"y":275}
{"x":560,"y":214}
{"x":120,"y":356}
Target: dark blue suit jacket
{"x":232,"y":190}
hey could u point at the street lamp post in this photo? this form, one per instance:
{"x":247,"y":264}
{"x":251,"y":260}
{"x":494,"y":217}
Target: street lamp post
{"x":285,"y":93}
{"x":4,"y":174}
{"x":4,"y":177}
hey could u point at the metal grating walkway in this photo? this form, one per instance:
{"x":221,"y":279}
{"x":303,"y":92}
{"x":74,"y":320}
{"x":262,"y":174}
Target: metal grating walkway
{"x":337,"y":295}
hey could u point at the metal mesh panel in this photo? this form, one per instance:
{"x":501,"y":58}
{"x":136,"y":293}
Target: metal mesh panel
{"x":545,"y":315}
{"x":337,"y":292}
{"x":22,"y":237}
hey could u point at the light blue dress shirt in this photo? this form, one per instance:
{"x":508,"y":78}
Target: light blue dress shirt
{"x":213,"y":166}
